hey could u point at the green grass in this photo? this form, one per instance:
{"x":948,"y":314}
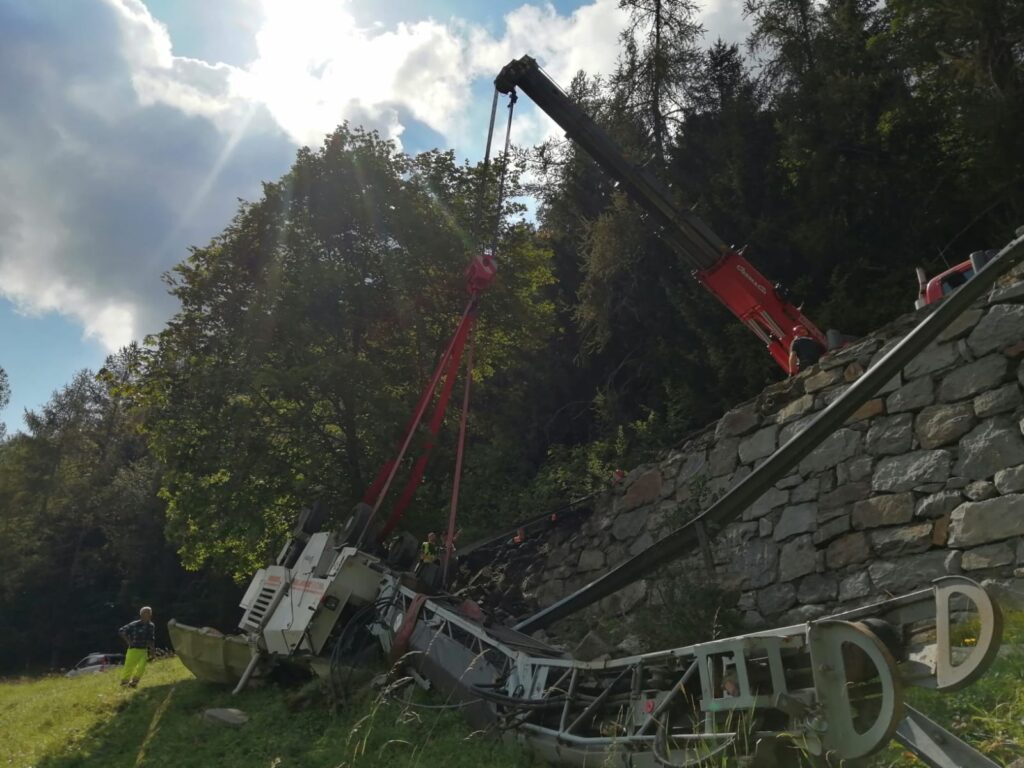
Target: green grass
{"x":989,"y":715}
{"x":91,"y":722}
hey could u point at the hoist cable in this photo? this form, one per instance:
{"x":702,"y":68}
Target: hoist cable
{"x":512,"y":98}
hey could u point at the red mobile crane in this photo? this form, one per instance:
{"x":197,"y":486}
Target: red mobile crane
{"x":724,"y":271}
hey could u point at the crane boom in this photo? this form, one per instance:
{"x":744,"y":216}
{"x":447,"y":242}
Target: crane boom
{"x":724,"y":271}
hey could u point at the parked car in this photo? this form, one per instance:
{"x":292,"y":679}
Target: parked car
{"x":96,"y":662}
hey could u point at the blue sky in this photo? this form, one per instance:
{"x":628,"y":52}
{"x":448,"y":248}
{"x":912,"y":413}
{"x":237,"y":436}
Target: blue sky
{"x":129,"y":129}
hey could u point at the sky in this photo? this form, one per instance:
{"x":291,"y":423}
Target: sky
{"x":129,"y":130}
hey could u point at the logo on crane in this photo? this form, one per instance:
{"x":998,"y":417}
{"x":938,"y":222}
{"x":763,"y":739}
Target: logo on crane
{"x":753,"y":281}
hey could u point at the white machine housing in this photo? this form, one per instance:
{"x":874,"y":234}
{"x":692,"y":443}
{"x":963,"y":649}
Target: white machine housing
{"x":294,"y":610}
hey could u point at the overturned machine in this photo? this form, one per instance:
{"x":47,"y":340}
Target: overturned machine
{"x":829,"y":690}
{"x":825,"y":692}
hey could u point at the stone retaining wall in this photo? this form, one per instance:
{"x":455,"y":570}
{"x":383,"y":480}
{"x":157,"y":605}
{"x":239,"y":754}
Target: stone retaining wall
{"x":925,"y":480}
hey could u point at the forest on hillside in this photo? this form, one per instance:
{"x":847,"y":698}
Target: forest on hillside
{"x":845,"y":142}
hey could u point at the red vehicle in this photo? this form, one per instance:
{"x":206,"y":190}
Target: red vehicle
{"x":940,"y":286}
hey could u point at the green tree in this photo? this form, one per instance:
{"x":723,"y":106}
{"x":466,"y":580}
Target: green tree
{"x":659,"y":53}
{"x":5,"y":398}
{"x":306,"y":331}
{"x":81,"y":527}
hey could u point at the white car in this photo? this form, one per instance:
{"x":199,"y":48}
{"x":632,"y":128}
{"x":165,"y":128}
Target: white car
{"x":96,"y":662}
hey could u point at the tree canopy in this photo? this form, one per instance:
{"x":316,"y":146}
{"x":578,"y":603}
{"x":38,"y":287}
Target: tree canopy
{"x":846,"y":142}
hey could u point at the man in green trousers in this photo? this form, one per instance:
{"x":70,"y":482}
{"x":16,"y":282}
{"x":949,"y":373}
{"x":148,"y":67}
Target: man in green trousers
{"x":140,"y":637}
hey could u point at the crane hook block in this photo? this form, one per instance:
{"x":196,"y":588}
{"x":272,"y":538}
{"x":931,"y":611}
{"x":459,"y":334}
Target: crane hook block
{"x":481,"y":272}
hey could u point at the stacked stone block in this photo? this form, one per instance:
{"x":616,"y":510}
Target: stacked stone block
{"x":925,"y":480}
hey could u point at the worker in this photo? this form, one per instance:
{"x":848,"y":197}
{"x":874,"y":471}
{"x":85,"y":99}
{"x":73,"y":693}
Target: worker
{"x":804,"y":350}
{"x":140,"y":637}
{"x":429,"y":549}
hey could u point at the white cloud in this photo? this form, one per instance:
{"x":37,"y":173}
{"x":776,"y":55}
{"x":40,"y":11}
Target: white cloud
{"x":724,"y":19}
{"x":316,"y":67}
{"x":105,"y":182}
{"x":121,"y":153}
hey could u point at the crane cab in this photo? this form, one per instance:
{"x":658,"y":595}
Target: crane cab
{"x":940,"y":286}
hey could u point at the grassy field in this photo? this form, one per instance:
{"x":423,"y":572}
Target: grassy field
{"x":989,"y":715}
{"x":91,"y":722}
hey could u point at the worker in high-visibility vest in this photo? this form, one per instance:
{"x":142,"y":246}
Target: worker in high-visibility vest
{"x":429,"y":549}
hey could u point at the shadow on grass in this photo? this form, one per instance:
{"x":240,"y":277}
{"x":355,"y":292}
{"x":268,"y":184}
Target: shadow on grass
{"x":161,"y":725}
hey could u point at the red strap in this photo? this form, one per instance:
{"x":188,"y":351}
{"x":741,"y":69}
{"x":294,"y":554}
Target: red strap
{"x":450,"y":538}
{"x":437,"y":419}
{"x":404,"y":634}
{"x":379,"y":488}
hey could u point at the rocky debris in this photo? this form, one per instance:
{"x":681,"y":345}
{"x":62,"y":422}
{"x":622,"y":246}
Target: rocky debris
{"x":847,"y":550}
{"x":723,"y":457}
{"x":905,"y":540}
{"x":831,"y":528}
{"x":995,"y":401}
{"x":592,"y":647}
{"x":795,"y":409}
{"x":234,"y":718}
{"x":817,"y":588}
{"x":821,"y":379}
{"x":917,"y":394}
{"x":591,"y":560}
{"x":629,"y":524}
{"x":642,"y":543}
{"x":980,"y":490}
{"x":909,"y":572}
{"x":939,"y":425}
{"x":1010,"y":480}
{"x":939,"y":504}
{"x":738,"y":421}
{"x":854,"y":586}
{"x":1009,"y":592}
{"x":802,"y":518}
{"x":794,"y":428}
{"x":626,"y":599}
{"x":802,"y":614}
{"x":841,"y":445}
{"x":903,"y":473}
{"x":962,"y":325}
{"x":854,"y":470}
{"x":690,"y":467}
{"x":891,"y":436}
{"x":935,"y":357}
{"x":993,"y":445}
{"x":989,"y":556}
{"x":775,"y":599}
{"x":869,"y":410}
{"x":844,"y":495}
{"x":756,"y":564}
{"x":758,"y":445}
{"x":798,"y":557}
{"x":981,"y":522}
{"x":644,"y":490}
{"x":770,"y":499}
{"x":973,"y":378}
{"x":806,"y":491}
{"x":940,"y":531}
{"x":891,"y":509}
{"x":1002,"y":326}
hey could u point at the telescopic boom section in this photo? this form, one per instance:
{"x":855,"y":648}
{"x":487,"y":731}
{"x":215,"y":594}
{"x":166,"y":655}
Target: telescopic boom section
{"x":748,"y":294}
